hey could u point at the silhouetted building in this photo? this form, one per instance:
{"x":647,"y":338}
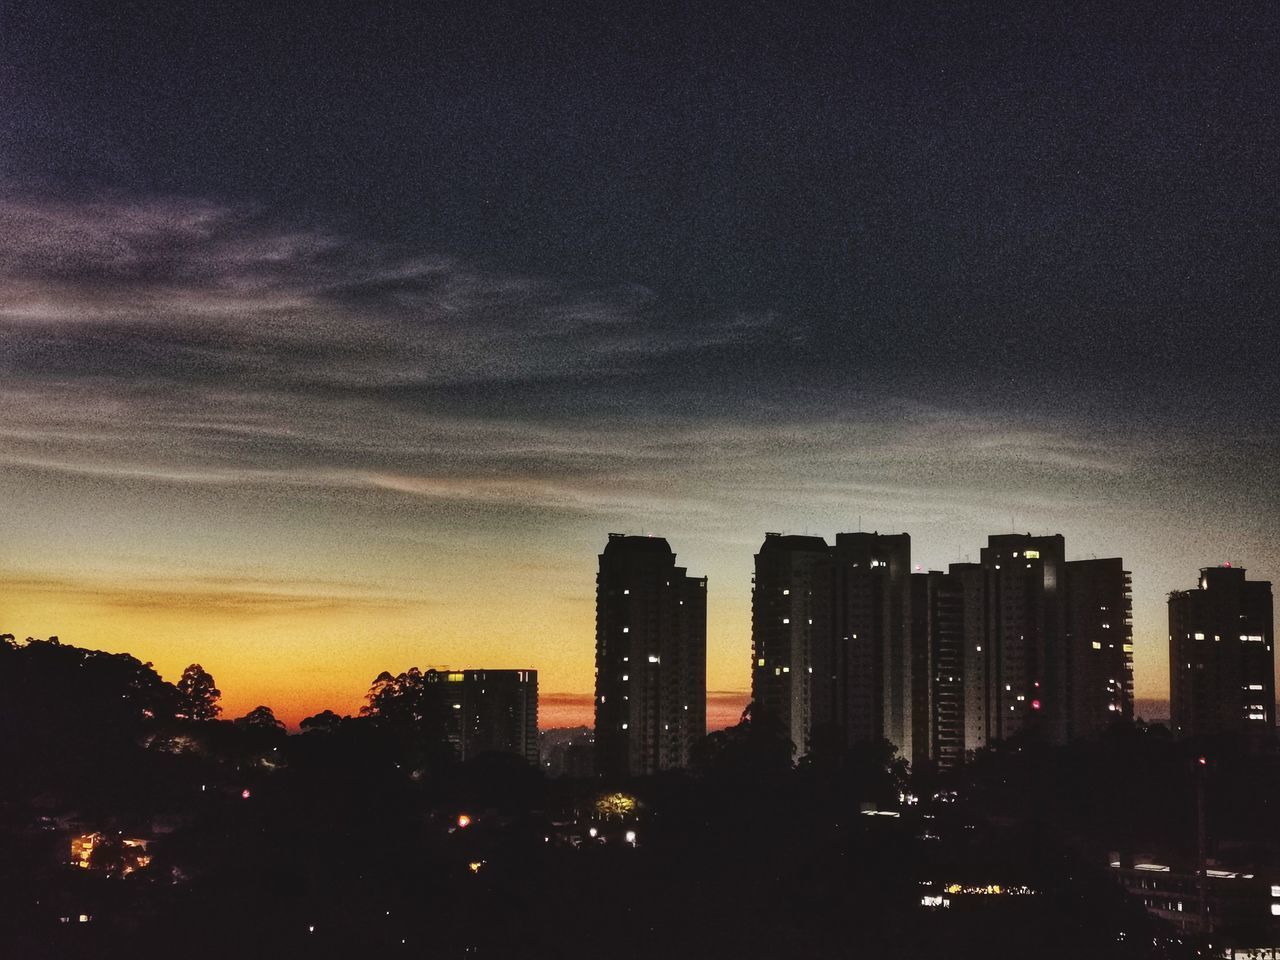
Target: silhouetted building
{"x":1099,"y":646}
{"x":1014,"y":624}
{"x":487,"y":711}
{"x":1221,"y":657}
{"x":651,"y":650}
{"x":863,"y":667}
{"x":937,"y":668}
{"x":790,"y":613}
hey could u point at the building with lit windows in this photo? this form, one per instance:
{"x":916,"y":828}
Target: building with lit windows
{"x":865,"y":667}
{"x":486,"y":711}
{"x":651,"y":655}
{"x":1221,"y":656}
{"x":790,"y":615}
{"x":1099,"y":646}
{"x":1240,"y":905}
{"x":1048,"y":643}
{"x":1014,"y":622}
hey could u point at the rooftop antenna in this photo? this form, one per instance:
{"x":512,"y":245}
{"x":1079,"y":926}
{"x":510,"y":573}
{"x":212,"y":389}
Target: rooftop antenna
{"x":859,"y":523}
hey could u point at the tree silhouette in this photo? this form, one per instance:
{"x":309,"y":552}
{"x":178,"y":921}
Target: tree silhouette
{"x":198,"y":693}
{"x":260,"y":718}
{"x":324,"y":722}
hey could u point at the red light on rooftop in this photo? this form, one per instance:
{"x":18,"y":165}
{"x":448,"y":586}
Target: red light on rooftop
{"x":1035,"y":704}
{"x":1227,"y":564}
{"x":1203,"y":761}
{"x":244,"y":794}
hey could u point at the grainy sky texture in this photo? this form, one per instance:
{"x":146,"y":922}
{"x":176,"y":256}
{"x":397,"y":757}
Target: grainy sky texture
{"x":335,"y":337}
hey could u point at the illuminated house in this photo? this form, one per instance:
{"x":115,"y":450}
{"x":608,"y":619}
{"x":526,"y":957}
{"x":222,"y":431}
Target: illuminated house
{"x":1221,"y":656}
{"x":117,"y":855}
{"x":651,"y":658}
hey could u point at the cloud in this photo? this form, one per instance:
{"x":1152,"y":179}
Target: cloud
{"x":237,"y":596}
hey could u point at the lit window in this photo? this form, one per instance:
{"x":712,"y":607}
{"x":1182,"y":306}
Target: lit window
{"x":786,"y":619}
{"x":653,"y":659}
{"x":625,"y":678}
{"x":786,"y":593}
{"x":1275,"y":909}
{"x":626,"y":593}
{"x":1032,"y":554}
{"x":626,"y":629}
{"x":624,"y":726}
{"x":1199,"y":636}
{"x":1097,"y":645}
{"x":760,"y":662}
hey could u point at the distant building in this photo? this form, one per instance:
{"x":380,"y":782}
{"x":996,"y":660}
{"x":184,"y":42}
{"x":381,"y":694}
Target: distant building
{"x":1099,"y":646}
{"x":651,"y":652}
{"x":1048,"y":643}
{"x":937,"y":668}
{"x":864,"y":668}
{"x":487,"y":711}
{"x":790,"y":616}
{"x":1221,"y":656}
{"x":830,"y":636}
{"x":568,"y":752}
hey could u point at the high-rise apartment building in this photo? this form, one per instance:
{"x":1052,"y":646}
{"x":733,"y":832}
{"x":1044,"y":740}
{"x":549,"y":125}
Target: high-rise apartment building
{"x":484,"y":711}
{"x":1221,"y":656}
{"x":1099,"y":646}
{"x":866,"y":667}
{"x":831,"y":645}
{"x":651,"y":651}
{"x":1048,"y":643}
{"x":937,"y":669}
{"x":790,"y":614}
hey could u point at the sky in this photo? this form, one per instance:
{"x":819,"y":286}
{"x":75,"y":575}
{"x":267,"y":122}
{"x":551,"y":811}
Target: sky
{"x":336,"y":337}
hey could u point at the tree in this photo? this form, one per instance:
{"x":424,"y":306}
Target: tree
{"x":260,"y":718}
{"x":199,"y":695}
{"x":324,"y":722}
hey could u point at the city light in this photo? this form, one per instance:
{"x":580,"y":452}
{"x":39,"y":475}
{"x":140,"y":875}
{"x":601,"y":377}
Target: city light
{"x":464,"y":821}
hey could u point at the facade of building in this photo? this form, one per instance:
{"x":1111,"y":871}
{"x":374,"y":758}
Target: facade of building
{"x":937,"y":668}
{"x":651,"y":653}
{"x":1240,"y":907}
{"x":1048,"y":643}
{"x":1222,"y":656}
{"x":790,"y":616}
{"x":831,"y":638}
{"x":1099,"y":642}
{"x":866,"y":666}
{"x":486,"y":711}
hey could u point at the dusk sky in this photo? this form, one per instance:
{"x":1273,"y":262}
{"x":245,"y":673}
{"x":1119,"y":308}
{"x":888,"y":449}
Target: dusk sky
{"x":336,"y":337}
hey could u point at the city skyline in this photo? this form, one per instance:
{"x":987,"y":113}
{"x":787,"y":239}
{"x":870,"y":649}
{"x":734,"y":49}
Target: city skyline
{"x":315,"y":320}
{"x":567,"y":708}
